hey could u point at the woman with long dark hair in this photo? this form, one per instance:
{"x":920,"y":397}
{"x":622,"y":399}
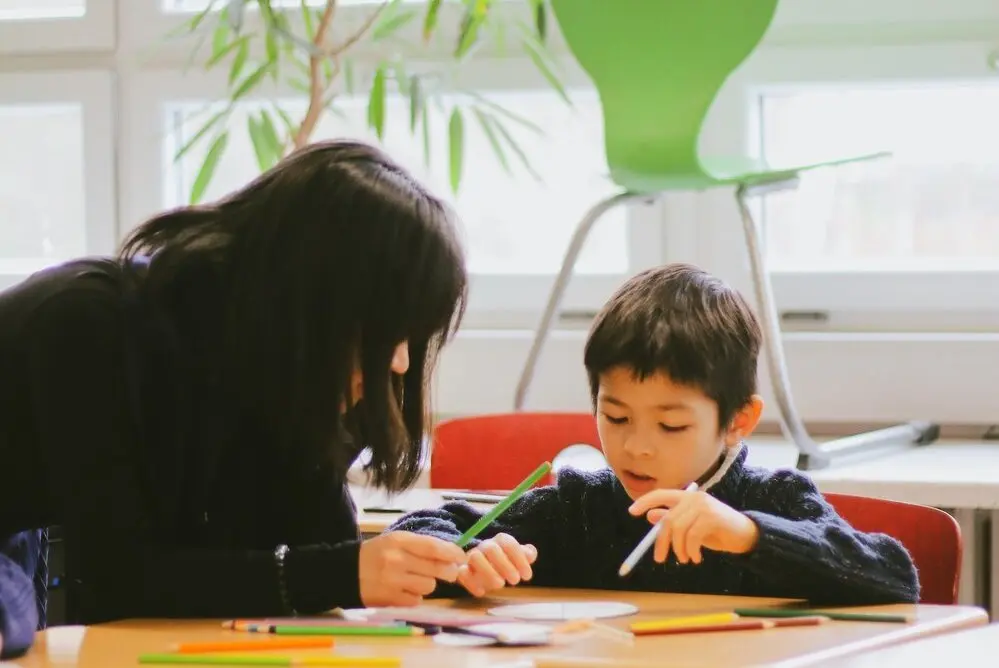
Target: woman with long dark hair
{"x":187,"y":411}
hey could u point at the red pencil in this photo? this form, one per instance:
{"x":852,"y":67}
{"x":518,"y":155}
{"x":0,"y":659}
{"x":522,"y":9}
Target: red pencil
{"x":741,"y":625}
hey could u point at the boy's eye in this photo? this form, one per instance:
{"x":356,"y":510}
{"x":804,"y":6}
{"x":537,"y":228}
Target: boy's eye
{"x":670,"y":429}
{"x":615,"y":420}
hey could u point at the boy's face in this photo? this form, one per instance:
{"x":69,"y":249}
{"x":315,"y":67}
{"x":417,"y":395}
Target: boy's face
{"x":659,"y":435}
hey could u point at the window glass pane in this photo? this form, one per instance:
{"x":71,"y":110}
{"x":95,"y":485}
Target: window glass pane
{"x":934,"y":204}
{"x":13,"y":10}
{"x":41,"y":186}
{"x":514,"y":224}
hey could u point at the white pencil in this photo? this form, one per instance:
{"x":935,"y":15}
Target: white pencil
{"x":647,"y":542}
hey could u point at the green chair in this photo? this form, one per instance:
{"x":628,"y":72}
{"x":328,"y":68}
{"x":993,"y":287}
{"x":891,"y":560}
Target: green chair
{"x":657,"y":66}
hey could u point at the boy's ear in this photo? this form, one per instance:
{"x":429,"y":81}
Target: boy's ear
{"x":745,"y":421}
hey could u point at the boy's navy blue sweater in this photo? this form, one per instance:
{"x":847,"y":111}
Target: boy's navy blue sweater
{"x":583,"y":531}
{"x":18,"y":611}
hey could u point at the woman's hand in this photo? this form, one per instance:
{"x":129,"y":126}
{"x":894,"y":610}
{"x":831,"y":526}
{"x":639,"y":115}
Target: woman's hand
{"x":400,"y":568}
{"x":495,"y":563}
{"x":695,"y":520}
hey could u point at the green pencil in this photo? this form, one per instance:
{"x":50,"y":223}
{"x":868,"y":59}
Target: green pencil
{"x":838,"y":616}
{"x":502,"y":506}
{"x":259,"y":660}
{"x":397,"y":631}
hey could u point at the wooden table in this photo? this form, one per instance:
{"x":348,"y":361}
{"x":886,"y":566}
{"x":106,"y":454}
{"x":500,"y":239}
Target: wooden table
{"x":973,"y":647}
{"x":119,"y":644}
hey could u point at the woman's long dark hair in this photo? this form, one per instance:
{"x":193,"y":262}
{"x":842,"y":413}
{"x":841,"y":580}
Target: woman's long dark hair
{"x":324,"y":264}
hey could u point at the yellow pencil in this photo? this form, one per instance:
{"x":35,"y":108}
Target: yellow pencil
{"x":681,"y":622}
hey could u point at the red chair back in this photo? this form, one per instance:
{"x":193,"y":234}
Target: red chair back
{"x":496,"y":452}
{"x":932,"y":537}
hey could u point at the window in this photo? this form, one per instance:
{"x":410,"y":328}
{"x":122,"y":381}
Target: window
{"x":56,"y":183}
{"x":933,"y":205}
{"x":13,"y":10}
{"x":514,"y":224}
{"x":33,"y":26}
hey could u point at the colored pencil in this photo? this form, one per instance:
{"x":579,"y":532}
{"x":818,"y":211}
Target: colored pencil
{"x":647,"y":542}
{"x":263,"y":625}
{"x":502,"y":506}
{"x":264,"y":660}
{"x":683,"y":622}
{"x":838,"y":616}
{"x":243,"y":645}
{"x":782,"y":622}
{"x":742,"y":625}
{"x":381,"y":631}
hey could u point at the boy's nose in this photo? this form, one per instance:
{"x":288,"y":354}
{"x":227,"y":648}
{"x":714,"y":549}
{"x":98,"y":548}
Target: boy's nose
{"x":638,"y":447}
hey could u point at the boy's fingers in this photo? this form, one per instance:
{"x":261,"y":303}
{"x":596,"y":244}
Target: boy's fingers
{"x":501,"y":562}
{"x":655,"y":515}
{"x":695,"y":539}
{"x":517,"y":554}
{"x":661,"y":550}
{"x":484,"y":572}
{"x":658,"y":498}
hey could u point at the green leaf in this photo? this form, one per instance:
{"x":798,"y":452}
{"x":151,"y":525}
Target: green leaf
{"x":207,"y":171}
{"x":310,"y":25}
{"x":348,"y":75}
{"x":271,"y":48}
{"x":239,"y":42}
{"x":376,"y":103}
{"x":430,"y":19}
{"x":470,"y":25}
{"x":202,"y":131}
{"x":540,"y":11}
{"x":416,"y":102}
{"x":499,"y":109}
{"x":290,"y":126}
{"x":266,"y":145}
{"x":221,"y":35}
{"x":251,"y":81}
{"x":426,"y":133}
{"x":485,"y":122}
{"x":515,"y":147}
{"x":236,"y":69}
{"x":456,"y":147}
{"x":192,"y":24}
{"x":536,"y":53}
{"x":390,"y":23}
{"x":271,"y":134}
{"x":401,"y":78}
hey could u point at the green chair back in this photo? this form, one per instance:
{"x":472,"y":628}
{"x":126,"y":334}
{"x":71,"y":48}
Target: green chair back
{"x":657,"y":66}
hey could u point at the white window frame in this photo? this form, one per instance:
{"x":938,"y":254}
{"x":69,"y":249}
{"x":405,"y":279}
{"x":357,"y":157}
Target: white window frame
{"x":93,"y":90}
{"x":94,"y":31}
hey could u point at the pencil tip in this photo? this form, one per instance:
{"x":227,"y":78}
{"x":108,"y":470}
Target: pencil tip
{"x":623,"y":571}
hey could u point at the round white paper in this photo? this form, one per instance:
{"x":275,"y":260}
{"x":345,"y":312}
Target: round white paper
{"x":463,"y":640}
{"x":552,"y":612}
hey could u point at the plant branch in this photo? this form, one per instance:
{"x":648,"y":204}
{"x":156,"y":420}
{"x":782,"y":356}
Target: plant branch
{"x":356,"y":37}
{"x":316,"y":84}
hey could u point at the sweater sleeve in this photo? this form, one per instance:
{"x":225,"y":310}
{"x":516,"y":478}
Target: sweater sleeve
{"x":805,"y":550}
{"x":119,"y":562}
{"x":533,"y":519}
{"x":18,"y":611}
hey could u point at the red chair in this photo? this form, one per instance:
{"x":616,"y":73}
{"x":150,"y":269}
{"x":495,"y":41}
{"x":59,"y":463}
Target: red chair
{"x":932,"y":537}
{"x":496,"y":452}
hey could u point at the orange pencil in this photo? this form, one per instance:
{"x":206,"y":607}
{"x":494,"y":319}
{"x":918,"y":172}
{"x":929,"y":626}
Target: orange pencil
{"x":742,"y":625}
{"x":243,"y":645}
{"x":799,"y":621}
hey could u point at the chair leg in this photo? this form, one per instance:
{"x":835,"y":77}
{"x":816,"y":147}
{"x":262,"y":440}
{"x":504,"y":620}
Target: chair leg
{"x":559,"y":287}
{"x":811,"y":455}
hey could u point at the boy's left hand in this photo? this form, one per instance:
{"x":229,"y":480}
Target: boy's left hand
{"x":695,"y":520}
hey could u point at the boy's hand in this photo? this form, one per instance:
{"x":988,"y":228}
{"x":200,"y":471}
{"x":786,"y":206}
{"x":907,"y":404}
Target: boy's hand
{"x":695,"y":520}
{"x":495,"y":563}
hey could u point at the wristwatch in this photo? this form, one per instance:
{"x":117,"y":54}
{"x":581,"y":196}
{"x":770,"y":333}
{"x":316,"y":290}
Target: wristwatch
{"x":280,"y":552}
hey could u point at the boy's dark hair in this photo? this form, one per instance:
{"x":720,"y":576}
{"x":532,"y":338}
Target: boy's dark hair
{"x":323,"y":264}
{"x":682,"y":322}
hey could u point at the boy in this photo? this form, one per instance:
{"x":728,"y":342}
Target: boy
{"x":671,"y":361}
{"x":18,"y":611}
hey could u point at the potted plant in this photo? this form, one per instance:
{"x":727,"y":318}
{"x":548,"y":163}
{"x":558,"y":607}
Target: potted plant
{"x":304,"y":49}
